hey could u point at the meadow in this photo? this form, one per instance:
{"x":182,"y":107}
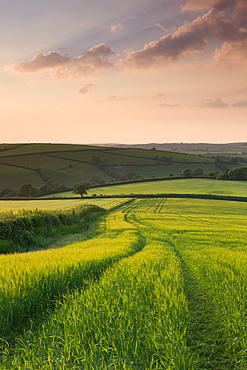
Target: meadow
{"x":162,"y":284}
{"x":178,"y":186}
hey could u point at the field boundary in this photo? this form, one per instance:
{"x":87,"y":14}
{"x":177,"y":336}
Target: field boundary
{"x":141,"y":196}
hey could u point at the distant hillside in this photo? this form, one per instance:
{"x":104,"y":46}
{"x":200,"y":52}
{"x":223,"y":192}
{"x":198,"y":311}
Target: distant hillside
{"x":70,"y":164}
{"x":203,"y":148}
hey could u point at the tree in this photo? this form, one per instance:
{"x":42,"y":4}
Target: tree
{"x":26,"y":190}
{"x":224,"y":175}
{"x":170,"y":175}
{"x":198,"y":171}
{"x":238,"y":173}
{"x":186,"y":173}
{"x":8,"y":192}
{"x":81,"y":188}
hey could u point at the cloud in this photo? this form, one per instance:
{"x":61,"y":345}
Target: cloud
{"x":86,"y":88}
{"x":241,"y":104}
{"x":239,"y":90}
{"x":211,"y":103}
{"x":193,"y":37}
{"x":62,"y":66}
{"x":112,"y":98}
{"x":116,"y":27}
{"x":160,"y":95}
{"x":119,"y":25}
{"x":232,"y":52}
{"x":238,"y":7}
{"x":168,"y":105}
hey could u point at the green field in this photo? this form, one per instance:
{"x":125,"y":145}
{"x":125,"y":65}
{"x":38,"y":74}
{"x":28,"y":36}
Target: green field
{"x":162,"y":284}
{"x":17,"y":206}
{"x":178,"y":186}
{"x":70,"y":164}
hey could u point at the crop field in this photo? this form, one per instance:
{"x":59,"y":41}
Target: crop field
{"x":17,"y":206}
{"x":178,"y":186}
{"x":162,"y":284}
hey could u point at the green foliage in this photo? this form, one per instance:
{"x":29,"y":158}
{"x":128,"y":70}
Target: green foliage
{"x":198,"y":171}
{"x":81,"y":188}
{"x":30,"y":230}
{"x":186,"y":173}
{"x":238,"y":173}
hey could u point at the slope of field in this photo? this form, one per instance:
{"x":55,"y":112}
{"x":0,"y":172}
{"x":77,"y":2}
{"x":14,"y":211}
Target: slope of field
{"x":178,"y":186}
{"x":19,"y":206}
{"x":179,"y":302}
{"x":69,"y":164}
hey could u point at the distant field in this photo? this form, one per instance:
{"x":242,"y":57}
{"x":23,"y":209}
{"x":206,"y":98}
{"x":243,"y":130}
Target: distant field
{"x":165,"y":170}
{"x":181,"y":186}
{"x":69,"y":164}
{"x":159,"y":153}
{"x":19,"y":206}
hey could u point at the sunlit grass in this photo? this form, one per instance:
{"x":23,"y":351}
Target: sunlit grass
{"x":180,"y":303}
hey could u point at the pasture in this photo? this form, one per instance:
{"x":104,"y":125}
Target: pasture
{"x":178,"y":186}
{"x":71,"y":164}
{"x":161,"y":285}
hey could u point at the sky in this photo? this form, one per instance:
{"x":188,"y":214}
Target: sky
{"x":113,"y":71}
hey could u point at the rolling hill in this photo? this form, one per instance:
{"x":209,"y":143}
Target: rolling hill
{"x":70,"y":164}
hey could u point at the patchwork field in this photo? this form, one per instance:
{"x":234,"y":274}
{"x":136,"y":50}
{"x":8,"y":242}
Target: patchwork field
{"x":161,"y":285}
{"x":70,"y":164}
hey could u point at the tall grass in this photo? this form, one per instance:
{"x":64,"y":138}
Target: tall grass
{"x":180,"y":303}
{"x":134,"y":318}
{"x":31,"y":282}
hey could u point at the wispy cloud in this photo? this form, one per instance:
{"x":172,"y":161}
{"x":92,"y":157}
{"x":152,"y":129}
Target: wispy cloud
{"x":168,"y":105}
{"x":112,"y":98}
{"x":62,"y":66}
{"x":241,"y":104}
{"x":211,"y":103}
{"x":121,"y":24}
{"x":86,"y":88}
{"x":160,"y":95}
{"x":116,"y":27}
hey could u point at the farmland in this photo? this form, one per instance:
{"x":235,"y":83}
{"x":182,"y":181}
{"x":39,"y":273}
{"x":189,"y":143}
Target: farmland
{"x":160,"y":285}
{"x":178,"y":186}
{"x":70,"y":164}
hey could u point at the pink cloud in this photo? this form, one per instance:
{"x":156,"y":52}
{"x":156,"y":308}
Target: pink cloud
{"x":241,"y":104}
{"x":193,"y":37}
{"x":86,"y":88}
{"x":238,"y":7}
{"x":112,"y":98}
{"x":62,"y":67}
{"x":160,"y":95}
{"x":211,"y":103}
{"x":116,"y":27}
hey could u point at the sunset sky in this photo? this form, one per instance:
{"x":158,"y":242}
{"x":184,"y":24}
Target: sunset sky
{"x":111,"y":71}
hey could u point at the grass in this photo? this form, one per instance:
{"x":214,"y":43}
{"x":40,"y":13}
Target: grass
{"x":36,"y":161}
{"x":13,"y":177}
{"x":60,"y":163}
{"x":181,"y":157}
{"x":19,"y":206}
{"x":178,"y":186}
{"x":20,"y":149}
{"x":178,"y":302}
{"x":108,"y":157}
{"x":30,"y":282}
